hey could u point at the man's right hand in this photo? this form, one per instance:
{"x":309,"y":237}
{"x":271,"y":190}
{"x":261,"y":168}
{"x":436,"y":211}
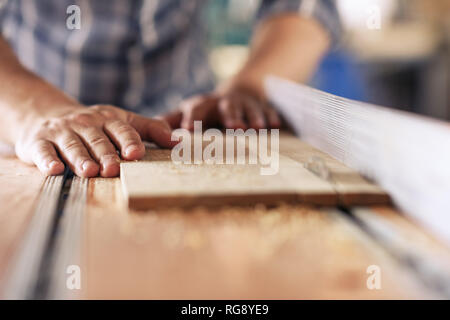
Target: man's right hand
{"x":86,"y":139}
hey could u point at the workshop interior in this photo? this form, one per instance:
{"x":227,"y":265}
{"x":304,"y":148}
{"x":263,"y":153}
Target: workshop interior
{"x":351,"y":200}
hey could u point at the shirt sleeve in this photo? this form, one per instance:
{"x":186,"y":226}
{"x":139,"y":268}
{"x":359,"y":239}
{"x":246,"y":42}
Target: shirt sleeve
{"x":324,"y":11}
{"x":2,"y":13}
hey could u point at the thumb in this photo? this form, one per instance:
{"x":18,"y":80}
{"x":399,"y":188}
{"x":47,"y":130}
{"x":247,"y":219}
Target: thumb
{"x":172,"y":118}
{"x":199,"y":108}
{"x":155,"y":130}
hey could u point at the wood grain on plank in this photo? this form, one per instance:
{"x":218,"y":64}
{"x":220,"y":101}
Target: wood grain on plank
{"x":151,"y":184}
{"x":286,"y":252}
{"x":157,"y":182}
{"x":351,"y":187}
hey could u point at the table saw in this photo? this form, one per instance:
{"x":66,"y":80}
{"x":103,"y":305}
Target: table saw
{"x":374,"y":227}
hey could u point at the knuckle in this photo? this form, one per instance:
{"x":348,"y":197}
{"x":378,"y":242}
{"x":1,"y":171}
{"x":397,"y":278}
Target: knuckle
{"x":83,"y":119}
{"x":122,"y":128}
{"x":70,"y":146}
{"x":108,"y":114}
{"x":47,"y":124}
{"x":55,"y":124}
{"x":39,"y":146}
{"x":49,"y":129}
{"x":98,"y":141}
{"x":106,"y":111}
{"x":109,"y":156}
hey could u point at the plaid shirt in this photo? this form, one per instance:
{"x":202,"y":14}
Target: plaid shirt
{"x":141,"y":55}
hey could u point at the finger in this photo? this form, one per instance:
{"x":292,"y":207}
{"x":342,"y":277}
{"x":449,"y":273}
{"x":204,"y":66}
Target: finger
{"x":46,"y":159}
{"x":126,"y":138}
{"x":272,"y":117}
{"x":254,"y":114}
{"x":102,"y":149}
{"x":155,"y":130}
{"x":173,"y":118}
{"x":75,"y":155}
{"x":199,"y":108}
{"x":231,"y":113}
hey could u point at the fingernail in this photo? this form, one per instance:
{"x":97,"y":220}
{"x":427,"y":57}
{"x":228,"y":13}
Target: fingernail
{"x":110,"y":166}
{"x":130,"y":150}
{"x":109,"y":160}
{"x":87,"y":164}
{"x":52,"y":164}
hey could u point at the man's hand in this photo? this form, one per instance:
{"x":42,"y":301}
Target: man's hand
{"x":286,"y":45}
{"x":86,"y":139}
{"x":232,"y":108}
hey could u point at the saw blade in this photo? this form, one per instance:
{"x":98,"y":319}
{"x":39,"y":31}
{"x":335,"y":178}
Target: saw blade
{"x":406,"y":154}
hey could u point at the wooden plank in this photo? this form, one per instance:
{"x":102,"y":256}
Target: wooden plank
{"x":157,"y":182}
{"x":151,"y":183}
{"x":352,"y":188}
{"x":286,"y":252}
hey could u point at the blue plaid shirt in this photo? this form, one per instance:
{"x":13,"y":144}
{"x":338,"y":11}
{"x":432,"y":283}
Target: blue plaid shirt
{"x":141,"y":55}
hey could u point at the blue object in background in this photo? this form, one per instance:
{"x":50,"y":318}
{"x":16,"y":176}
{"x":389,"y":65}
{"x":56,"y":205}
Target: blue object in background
{"x":338,"y":74}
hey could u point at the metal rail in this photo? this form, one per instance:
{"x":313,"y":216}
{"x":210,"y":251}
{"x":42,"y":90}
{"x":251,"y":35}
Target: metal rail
{"x":51,"y":242}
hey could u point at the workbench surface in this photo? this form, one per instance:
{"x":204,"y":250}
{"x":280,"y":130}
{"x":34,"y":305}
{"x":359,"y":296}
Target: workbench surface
{"x":283,"y":252}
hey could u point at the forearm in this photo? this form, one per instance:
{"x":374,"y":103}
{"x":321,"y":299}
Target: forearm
{"x":288,"y":46}
{"x":24,"y":96}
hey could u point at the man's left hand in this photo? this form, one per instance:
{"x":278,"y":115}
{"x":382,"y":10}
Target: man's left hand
{"x":232,"y":108}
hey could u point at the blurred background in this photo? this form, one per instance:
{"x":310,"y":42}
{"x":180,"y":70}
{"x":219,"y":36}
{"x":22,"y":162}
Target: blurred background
{"x":394,"y":53}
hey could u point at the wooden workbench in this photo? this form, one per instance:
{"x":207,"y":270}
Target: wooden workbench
{"x":284,"y":252}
